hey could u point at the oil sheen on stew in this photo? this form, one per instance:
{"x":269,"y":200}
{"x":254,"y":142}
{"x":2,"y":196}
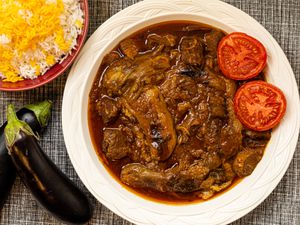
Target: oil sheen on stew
{"x":162,"y":120}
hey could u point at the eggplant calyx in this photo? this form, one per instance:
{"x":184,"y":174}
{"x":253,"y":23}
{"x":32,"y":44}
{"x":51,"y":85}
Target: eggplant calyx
{"x":42,"y":111}
{"x":14,"y":126}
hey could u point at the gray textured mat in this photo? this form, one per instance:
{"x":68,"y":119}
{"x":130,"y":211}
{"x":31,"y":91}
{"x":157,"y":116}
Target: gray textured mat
{"x":280,"y":17}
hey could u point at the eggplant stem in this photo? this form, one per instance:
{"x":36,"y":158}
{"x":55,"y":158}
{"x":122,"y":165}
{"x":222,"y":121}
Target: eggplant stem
{"x":42,"y":110}
{"x":14,"y":126}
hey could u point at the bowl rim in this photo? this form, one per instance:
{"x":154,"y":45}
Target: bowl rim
{"x":80,"y":88}
{"x":73,"y":55}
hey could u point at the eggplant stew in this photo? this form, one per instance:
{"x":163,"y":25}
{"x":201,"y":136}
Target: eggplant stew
{"x":161,"y":115}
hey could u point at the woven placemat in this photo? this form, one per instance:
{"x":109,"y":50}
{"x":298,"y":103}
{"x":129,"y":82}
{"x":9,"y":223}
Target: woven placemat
{"x":280,"y":17}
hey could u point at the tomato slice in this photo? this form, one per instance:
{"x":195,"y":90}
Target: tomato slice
{"x":259,"y":105}
{"x":241,"y":57}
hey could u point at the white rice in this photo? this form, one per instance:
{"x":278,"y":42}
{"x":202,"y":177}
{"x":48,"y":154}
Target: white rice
{"x":71,"y":17}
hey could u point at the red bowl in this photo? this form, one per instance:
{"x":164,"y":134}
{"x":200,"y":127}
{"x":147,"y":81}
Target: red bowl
{"x":58,"y":68}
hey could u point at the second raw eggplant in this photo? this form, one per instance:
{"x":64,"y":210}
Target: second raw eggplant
{"x":51,"y":188}
{"x":36,"y":116}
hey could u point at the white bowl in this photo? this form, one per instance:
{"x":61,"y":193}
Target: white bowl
{"x":223,"y":209}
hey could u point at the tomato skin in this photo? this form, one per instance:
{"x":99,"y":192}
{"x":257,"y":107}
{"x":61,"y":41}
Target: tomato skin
{"x":240,"y":56}
{"x":259,"y":105}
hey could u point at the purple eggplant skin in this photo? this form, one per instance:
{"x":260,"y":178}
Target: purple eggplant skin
{"x":36,"y":116}
{"x":50,"y":187}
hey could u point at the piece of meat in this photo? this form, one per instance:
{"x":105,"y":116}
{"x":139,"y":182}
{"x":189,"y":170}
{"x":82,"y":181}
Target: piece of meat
{"x":191,"y":50}
{"x":130,"y":48}
{"x":177,"y":88}
{"x":182,"y":157}
{"x":216,"y":182}
{"x":211,"y":160}
{"x":147,"y":69}
{"x":231,"y":134}
{"x":183,"y":107}
{"x":110,"y":58}
{"x":115,"y":145}
{"x":216,"y":92}
{"x":212,"y":40}
{"x":246,"y":161}
{"x":257,"y":135}
{"x":210,"y":134}
{"x":217,"y":176}
{"x":108,"y":109}
{"x":188,"y":180}
{"x":254,"y":143}
{"x":178,"y":91}
{"x":141,"y":150}
{"x":190,"y":124}
{"x":139,"y":176}
{"x":229,"y":173}
{"x":212,"y":79}
{"x":127,"y":76}
{"x":168,"y":40}
{"x":175,"y":55}
{"x":151,"y":113}
{"x":116,"y":75}
{"x":197,"y":153}
{"x":182,"y":68}
{"x":161,"y":61}
{"x":217,"y":105}
{"x":255,"y":139}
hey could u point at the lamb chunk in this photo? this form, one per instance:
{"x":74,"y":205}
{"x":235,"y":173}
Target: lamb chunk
{"x":108,"y":109}
{"x":261,"y":135}
{"x":115,"y":145}
{"x":215,"y":80}
{"x":246,"y":161}
{"x":139,"y":176}
{"x":212,"y":40}
{"x":188,"y":180}
{"x":155,"y":121}
{"x":127,"y":76}
{"x":231,"y":134}
{"x":191,"y":122}
{"x":211,"y":160}
{"x":229,"y":173}
{"x":187,"y":126}
{"x":161,"y":62}
{"x":210,"y":131}
{"x":111,"y":57}
{"x":177,"y":88}
{"x":191,"y":50}
{"x":217,"y":105}
{"x":130,"y":48}
{"x":254,"y":143}
{"x":168,"y":40}
{"x":254,"y":139}
{"x":116,"y":76}
{"x":217,"y":176}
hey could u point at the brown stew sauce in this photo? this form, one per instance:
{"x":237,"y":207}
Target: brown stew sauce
{"x":97,"y":126}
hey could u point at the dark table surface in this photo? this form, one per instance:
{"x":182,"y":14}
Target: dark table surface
{"x":280,"y":17}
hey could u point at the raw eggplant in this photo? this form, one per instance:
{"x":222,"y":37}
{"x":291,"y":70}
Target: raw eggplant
{"x":51,"y":188}
{"x":36,"y":115}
